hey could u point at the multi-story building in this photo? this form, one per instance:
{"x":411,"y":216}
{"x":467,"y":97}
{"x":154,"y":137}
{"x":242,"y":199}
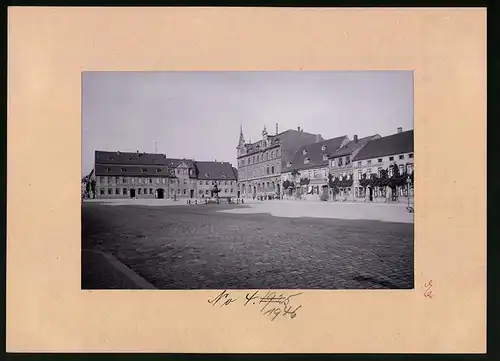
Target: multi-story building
{"x":340,"y":162}
{"x":132,"y":175}
{"x":260,"y":163}
{"x":307,"y":169}
{"x":221,"y":173}
{"x":381,"y":154}
{"x":143,"y":175}
{"x":184,"y":184}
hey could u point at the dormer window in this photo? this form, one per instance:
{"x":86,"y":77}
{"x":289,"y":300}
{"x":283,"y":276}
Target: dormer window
{"x":158,"y":170}
{"x":306,"y":160}
{"x":223,"y":175}
{"x":289,"y":164}
{"x":107,"y":169}
{"x":124,"y":169}
{"x":144,"y":170}
{"x":325,"y":156}
{"x":206,"y":174}
{"x":323,"y":148}
{"x":304,"y":152}
{"x":111,"y":158}
{"x":130,"y":158}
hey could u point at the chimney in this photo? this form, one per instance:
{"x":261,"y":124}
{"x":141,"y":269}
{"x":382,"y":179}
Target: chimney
{"x":400,"y":130}
{"x":298,"y":129}
{"x":318,"y":138}
{"x":276,"y":128}
{"x":355,"y":138}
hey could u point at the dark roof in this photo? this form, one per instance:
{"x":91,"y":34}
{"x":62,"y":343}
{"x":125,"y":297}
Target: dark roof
{"x":235,"y":171}
{"x":104,"y":157}
{"x":133,"y":170}
{"x":215,"y":171}
{"x":174,"y":162}
{"x":351,"y":147}
{"x":315,"y":154}
{"x":393,"y":144}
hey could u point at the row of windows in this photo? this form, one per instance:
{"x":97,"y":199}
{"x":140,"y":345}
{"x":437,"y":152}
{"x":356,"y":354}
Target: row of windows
{"x":260,"y":157}
{"x":134,"y":180}
{"x":124,"y":191}
{"x":218,"y":182}
{"x":261,"y":171}
{"x":409,"y":170}
{"x":144,"y":170}
{"x":380,"y":160}
{"x":341,"y":161}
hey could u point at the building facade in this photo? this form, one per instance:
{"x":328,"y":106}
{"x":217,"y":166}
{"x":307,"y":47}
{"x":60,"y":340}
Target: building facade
{"x":221,"y":173}
{"x":341,"y":165}
{"x":131,"y":175}
{"x":380,"y":155}
{"x":306,"y":172}
{"x":143,"y":175}
{"x":260,"y":163}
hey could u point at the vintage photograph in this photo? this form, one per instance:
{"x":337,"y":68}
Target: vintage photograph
{"x":247,"y":180}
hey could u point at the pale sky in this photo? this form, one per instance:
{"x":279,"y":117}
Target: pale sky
{"x":198,"y":114}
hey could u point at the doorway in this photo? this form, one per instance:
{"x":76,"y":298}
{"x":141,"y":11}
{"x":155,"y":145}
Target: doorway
{"x":132,"y":193}
{"x":191,"y":193}
{"x":160,"y":193}
{"x":238,"y":194}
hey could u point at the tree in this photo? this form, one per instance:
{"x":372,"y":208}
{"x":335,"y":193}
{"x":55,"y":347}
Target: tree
{"x":92,"y":186}
{"x":286,"y":184}
{"x":87,"y":187}
{"x":304,"y":181}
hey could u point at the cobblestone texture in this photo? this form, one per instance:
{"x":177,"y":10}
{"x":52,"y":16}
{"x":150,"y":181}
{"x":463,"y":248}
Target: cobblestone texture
{"x":195,"y":247}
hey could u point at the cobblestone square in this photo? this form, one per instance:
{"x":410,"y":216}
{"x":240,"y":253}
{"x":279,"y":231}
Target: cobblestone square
{"x":199,"y":247}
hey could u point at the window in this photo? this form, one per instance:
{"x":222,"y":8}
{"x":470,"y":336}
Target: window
{"x":124,"y":180}
{"x":206,"y":192}
{"x":225,"y":190}
{"x":360,"y":174}
{"x":340,"y":162}
{"x":201,"y":183}
{"x":117,"y":179}
{"x":306,"y":160}
{"x":145,"y":191}
{"x":231,"y":190}
{"x":314,"y":173}
{"x":110,"y":191}
{"x":378,"y":171}
{"x":158,"y":170}
{"x":272,"y":169}
{"x":391,"y":159}
{"x":223,"y":175}
{"x":185,"y":181}
{"x":110,"y":158}
{"x":163,"y":180}
{"x":289,"y":164}
{"x":277,"y":167}
{"x":102,"y":191}
{"x":359,"y":164}
{"x":410,"y":155}
{"x":184,"y":191}
{"x":253,"y":159}
{"x":231,"y":183}
{"x":124,"y":191}
{"x":101,"y":180}
{"x":117,"y":191}
{"x":410,"y":168}
{"x":380,"y":160}
{"x":347,"y":160}
{"x":402,"y":156}
{"x":323,"y":148}
{"x":391,"y":172}
{"x":401,"y":169}
{"x":107,"y":169}
{"x":139,"y":190}
{"x":150,"y":190}
{"x":304,"y":152}
{"x":124,"y":170}
{"x":178,"y":191}
{"x":272,"y":154}
{"x":368,"y":173}
{"x":248,"y":161}
{"x":206,"y":183}
{"x":278,"y":152}
{"x":369,"y":162}
{"x":267,"y":169}
{"x":325,"y":157}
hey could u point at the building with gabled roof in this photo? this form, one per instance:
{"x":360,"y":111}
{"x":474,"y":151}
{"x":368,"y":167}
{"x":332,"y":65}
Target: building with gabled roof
{"x":260,"y":163}
{"x":381,"y":154}
{"x":307,"y":169}
{"x":220,"y":173}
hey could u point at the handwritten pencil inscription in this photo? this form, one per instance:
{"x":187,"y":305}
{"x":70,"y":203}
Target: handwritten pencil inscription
{"x":428,"y":289}
{"x":270,"y":304}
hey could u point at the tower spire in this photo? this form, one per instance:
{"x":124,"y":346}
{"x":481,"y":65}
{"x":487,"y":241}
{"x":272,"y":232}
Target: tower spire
{"x":242,"y":139}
